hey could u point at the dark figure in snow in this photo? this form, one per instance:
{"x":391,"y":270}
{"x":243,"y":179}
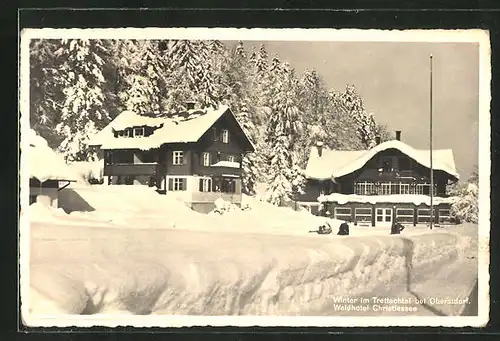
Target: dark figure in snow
{"x":343,"y":229}
{"x":325,"y":229}
{"x":396,"y":228}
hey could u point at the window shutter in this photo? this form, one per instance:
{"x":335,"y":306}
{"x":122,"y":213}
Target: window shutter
{"x":184,"y":158}
{"x":201,"y":185}
{"x":170,"y":184}
{"x":184,"y":184}
{"x":202,"y":156}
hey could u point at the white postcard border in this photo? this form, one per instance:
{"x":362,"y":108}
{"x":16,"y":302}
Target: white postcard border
{"x":466,"y":36}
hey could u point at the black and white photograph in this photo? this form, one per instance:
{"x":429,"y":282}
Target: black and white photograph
{"x":254,"y":177}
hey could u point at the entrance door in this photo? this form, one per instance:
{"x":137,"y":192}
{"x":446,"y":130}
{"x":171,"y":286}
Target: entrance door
{"x":383,"y":217}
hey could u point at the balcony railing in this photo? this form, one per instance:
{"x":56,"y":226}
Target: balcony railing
{"x":127,"y":169}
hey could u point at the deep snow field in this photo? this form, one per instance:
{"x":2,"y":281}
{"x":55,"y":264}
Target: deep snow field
{"x":126,"y":249}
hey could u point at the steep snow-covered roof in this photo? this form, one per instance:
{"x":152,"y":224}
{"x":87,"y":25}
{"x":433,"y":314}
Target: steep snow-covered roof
{"x":416,"y":199}
{"x":337,"y":163}
{"x":180,"y":128}
{"x":44,"y":163}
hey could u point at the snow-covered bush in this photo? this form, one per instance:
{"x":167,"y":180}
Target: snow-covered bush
{"x":465,"y":207}
{"x":222,"y":206}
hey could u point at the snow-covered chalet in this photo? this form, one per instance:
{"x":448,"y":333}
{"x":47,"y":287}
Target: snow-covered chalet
{"x":193,"y":156}
{"x":389,"y":182}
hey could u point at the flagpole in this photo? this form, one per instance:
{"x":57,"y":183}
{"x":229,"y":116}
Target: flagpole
{"x":431,"y":190}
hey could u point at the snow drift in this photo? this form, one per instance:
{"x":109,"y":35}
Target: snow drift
{"x":153,"y":255}
{"x":194,"y":272}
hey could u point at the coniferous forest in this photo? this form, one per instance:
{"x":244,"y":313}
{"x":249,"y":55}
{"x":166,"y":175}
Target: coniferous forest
{"x":78,"y":86}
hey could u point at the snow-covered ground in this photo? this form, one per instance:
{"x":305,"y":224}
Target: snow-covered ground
{"x":138,"y":252}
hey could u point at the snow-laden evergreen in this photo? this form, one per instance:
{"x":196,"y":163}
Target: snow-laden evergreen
{"x":45,"y":91}
{"x":249,"y":161}
{"x":282,"y":132}
{"x":145,"y":88}
{"x":466,"y":206}
{"x":191,"y":75}
{"x":366,"y":125}
{"x":87,"y":83}
{"x":83,"y":109}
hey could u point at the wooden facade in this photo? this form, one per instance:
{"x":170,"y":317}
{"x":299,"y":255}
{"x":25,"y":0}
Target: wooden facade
{"x":198,"y":169}
{"x":389,"y":172}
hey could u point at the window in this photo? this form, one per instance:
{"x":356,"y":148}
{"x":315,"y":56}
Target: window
{"x":206,"y":159}
{"x":342,"y":213}
{"x":363,"y":214}
{"x":424,"y":215}
{"x":386,"y":188}
{"x":177,"y":184}
{"x":230,"y":158}
{"x":404,"y":188}
{"x":128,"y":132}
{"x":404,"y":215}
{"x":394,"y":188}
{"x":364,"y":188}
{"x":370,"y":188}
{"x":121,"y":133}
{"x":205,"y":185}
{"x":138,"y":132}
{"x":225,"y":136}
{"x":424,"y":189}
{"x":178,"y":157}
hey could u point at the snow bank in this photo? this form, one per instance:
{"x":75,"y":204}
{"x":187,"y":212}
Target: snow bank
{"x":137,"y":252}
{"x":416,"y":199}
{"x":193,"y":272}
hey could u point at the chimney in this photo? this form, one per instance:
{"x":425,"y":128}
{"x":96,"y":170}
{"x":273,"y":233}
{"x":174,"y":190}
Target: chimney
{"x":190,"y":105}
{"x":398,"y":135}
{"x":377,"y":140}
{"x":319,"y":145}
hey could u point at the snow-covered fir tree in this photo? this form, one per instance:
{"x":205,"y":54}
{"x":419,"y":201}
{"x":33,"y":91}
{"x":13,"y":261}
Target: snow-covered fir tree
{"x":84,"y":107}
{"x":366,"y":125}
{"x":190,"y":74}
{"x":260,"y":75}
{"x":86,"y":83}
{"x":141,"y":74}
{"x":45,"y":89}
{"x":249,"y":162}
{"x":465,"y":207}
{"x":314,"y":107}
{"x":282,"y":131}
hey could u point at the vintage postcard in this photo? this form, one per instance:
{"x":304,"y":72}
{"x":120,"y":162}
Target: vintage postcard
{"x":254,"y":177}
